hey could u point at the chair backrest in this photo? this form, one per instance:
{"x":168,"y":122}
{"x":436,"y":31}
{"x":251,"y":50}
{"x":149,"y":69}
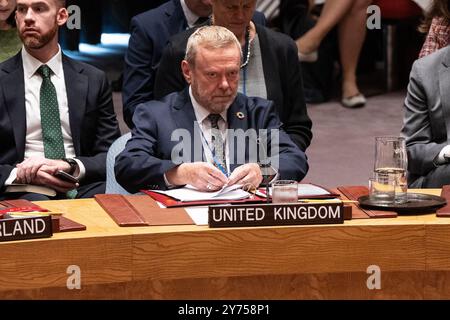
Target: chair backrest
{"x":112,"y":186}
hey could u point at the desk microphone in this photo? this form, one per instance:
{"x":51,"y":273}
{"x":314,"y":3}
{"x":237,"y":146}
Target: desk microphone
{"x":267,"y":172}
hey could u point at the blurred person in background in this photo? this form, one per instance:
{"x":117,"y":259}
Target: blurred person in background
{"x":270,"y":67}
{"x":150,"y":32}
{"x":350,"y":17}
{"x":9,"y":40}
{"x":437,"y":27}
{"x":56,"y":114}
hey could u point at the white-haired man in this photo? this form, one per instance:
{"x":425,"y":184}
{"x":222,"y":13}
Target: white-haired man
{"x":206,"y":109}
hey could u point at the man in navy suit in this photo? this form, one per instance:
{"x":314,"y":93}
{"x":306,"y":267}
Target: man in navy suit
{"x":150,"y":32}
{"x":172,"y":137}
{"x":56,"y":114}
{"x":270,"y":68}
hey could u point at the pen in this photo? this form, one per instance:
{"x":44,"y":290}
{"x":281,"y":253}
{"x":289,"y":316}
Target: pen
{"x":35,"y":213}
{"x":326,"y":200}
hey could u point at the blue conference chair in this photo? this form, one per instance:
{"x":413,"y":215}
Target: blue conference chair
{"x":112,"y":186}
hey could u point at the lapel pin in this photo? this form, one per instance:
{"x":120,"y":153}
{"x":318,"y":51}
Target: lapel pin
{"x":240,"y":115}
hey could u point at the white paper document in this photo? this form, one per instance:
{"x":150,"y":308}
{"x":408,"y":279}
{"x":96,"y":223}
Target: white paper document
{"x":198,"y":214}
{"x":190,"y":193}
{"x":306,"y":189}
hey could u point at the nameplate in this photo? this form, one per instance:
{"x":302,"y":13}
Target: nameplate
{"x":220,"y":216}
{"x":25,"y":228}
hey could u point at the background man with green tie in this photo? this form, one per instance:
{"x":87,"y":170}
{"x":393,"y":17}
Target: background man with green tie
{"x":55,"y":113}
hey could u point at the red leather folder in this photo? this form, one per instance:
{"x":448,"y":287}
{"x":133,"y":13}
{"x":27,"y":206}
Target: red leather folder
{"x":170,"y":202}
{"x":63,"y":224}
{"x":59,"y":223}
{"x":131,"y":211}
{"x":120,"y":210}
{"x":353,"y":193}
{"x":66,"y":224}
{"x":444,"y":211}
{"x":19,"y":205}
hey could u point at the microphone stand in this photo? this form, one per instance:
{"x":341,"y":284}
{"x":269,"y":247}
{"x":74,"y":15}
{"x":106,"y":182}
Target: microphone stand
{"x":267,"y":172}
{"x":268,"y":175}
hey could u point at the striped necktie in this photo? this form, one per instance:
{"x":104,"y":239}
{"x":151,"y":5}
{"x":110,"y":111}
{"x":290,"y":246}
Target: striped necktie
{"x":217,"y":140}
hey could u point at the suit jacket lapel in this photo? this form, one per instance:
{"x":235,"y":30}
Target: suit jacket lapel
{"x":14,"y":92}
{"x":76,"y":88}
{"x":184,"y":116}
{"x":444,"y":84}
{"x":176,"y":14}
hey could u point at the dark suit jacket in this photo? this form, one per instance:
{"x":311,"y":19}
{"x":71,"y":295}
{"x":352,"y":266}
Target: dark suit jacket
{"x":282,"y":74}
{"x":427,"y":120}
{"x":150,"y":32}
{"x":293,"y":17}
{"x":91,"y":115}
{"x":147,"y":155}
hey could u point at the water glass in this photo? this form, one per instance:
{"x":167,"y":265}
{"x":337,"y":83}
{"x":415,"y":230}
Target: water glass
{"x":382,"y":189}
{"x":285,"y":191}
{"x":391,"y":159}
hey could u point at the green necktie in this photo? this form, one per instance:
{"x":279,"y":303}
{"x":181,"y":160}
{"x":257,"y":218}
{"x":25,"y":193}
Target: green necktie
{"x":50,"y":120}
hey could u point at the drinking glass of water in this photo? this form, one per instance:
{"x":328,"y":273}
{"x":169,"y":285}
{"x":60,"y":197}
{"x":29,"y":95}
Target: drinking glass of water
{"x":382,"y":189}
{"x":285,"y":191}
{"x":391,"y":160}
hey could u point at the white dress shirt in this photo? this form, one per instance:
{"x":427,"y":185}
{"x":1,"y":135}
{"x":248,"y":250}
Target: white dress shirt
{"x":34,"y":145}
{"x":191,"y":17}
{"x":201,"y":114}
{"x":270,"y":8}
{"x":443,"y":155}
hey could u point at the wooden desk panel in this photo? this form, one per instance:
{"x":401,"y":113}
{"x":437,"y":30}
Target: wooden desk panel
{"x":192,"y":262}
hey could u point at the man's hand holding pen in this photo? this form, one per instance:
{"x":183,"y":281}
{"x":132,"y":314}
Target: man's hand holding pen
{"x":206,"y":177}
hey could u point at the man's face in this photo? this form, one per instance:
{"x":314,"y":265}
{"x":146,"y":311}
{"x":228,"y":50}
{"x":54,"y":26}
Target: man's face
{"x":202,"y":8}
{"x":235,"y":15}
{"x":38,"y":21}
{"x":215,"y":77}
{"x":6,"y":8}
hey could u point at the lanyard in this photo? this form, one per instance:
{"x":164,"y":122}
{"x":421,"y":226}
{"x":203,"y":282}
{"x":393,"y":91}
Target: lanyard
{"x":244,"y":82}
{"x":213,"y":154}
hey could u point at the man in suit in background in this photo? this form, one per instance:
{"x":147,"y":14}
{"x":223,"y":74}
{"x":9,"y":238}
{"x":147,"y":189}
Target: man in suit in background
{"x":426,"y":124}
{"x":205,"y":111}
{"x":150,"y":32}
{"x":55,"y":113}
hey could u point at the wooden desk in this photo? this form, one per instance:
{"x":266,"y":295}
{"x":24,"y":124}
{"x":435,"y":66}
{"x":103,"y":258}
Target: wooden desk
{"x":192,"y":262}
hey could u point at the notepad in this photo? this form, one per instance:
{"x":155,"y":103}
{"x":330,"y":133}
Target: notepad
{"x":190,"y":193}
{"x":17,"y":187}
{"x":308,"y":190}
